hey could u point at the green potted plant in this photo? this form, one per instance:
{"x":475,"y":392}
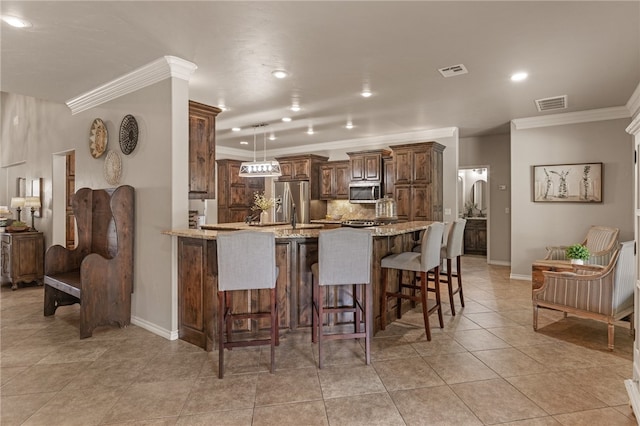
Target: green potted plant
{"x":577,"y":253}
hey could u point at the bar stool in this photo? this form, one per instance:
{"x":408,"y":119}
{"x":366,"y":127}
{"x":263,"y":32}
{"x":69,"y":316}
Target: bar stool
{"x":428,"y":259}
{"x":344,"y":257}
{"x":453,"y":250}
{"x":246,"y":261}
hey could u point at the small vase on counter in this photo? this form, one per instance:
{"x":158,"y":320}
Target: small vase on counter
{"x":264,"y":216}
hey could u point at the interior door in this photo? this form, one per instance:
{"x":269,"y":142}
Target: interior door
{"x":70,"y":220}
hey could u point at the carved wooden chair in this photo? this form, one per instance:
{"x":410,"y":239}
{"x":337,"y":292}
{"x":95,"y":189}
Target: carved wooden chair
{"x":98,"y":272}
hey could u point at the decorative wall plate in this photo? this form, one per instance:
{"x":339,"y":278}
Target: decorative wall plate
{"x":98,"y":138}
{"x":128,"y":134}
{"x":112,"y":168}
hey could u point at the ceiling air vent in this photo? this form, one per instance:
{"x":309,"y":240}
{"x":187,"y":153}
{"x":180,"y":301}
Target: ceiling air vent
{"x":548,"y":104}
{"x":453,"y":70}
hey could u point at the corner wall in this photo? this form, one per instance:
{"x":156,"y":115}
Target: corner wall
{"x":537,"y":225}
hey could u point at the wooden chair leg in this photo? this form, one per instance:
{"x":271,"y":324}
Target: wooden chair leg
{"x":221,"y":321}
{"x":383,"y":299}
{"x":368,"y":319}
{"x":535,"y":317}
{"x":274,"y":329}
{"x":459,"y":276}
{"x":610,"y":332}
{"x":450,"y":287}
{"x":425,"y":306}
{"x":319,"y":321}
{"x":438,"y":299}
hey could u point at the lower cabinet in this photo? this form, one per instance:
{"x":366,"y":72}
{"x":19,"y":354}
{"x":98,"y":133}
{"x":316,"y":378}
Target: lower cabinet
{"x":22,"y":257}
{"x":475,"y":236}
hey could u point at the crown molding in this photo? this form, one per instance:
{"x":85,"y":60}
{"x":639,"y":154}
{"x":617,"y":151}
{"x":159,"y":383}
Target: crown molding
{"x":601,"y":114}
{"x":633,"y":104}
{"x":373,"y":142}
{"x":146,"y":75}
{"x":634,"y":127}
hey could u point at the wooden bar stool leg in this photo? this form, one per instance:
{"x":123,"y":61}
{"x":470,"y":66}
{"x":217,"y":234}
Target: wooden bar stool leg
{"x":228,"y":320}
{"x":368,"y":318}
{"x":314,"y":309}
{"x":438,"y":299}
{"x":357,"y":301}
{"x":383,"y":299}
{"x":459,"y":276}
{"x":399,"y":300}
{"x":274,"y":329}
{"x":320,"y":320}
{"x":425,"y":306}
{"x":450,"y":287}
{"x":221,"y":320}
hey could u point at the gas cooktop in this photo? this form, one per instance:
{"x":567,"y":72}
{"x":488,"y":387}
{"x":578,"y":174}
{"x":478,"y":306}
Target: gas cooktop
{"x":364,"y":223}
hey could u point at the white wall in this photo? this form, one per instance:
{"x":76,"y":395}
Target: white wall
{"x":46,"y":128}
{"x":537,"y":225}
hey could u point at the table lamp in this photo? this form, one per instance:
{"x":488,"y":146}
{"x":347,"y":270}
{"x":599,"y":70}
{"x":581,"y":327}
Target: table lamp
{"x":17,"y":203}
{"x":34,"y":203}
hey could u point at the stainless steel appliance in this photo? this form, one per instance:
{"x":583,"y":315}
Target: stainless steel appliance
{"x":292,"y":198}
{"x":365,"y":223}
{"x":364,"y":192}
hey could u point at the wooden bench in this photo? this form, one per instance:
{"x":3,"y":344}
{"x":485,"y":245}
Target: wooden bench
{"x":98,"y":272}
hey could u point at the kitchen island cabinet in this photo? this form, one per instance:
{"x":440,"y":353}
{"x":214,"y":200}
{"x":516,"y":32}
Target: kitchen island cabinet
{"x":296,"y":251}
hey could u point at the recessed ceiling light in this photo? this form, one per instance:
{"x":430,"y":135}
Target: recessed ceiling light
{"x":280,"y":73}
{"x":349,"y":125}
{"x":295,"y":108}
{"x":244,"y":143}
{"x":286,"y":119}
{"x":310,"y":131}
{"x":235,"y":129}
{"x":366,"y":93}
{"x":16,"y":22}
{"x":272,"y":137}
{"x":519,"y":76}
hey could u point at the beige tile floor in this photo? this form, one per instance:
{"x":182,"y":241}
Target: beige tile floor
{"x":486,"y":366}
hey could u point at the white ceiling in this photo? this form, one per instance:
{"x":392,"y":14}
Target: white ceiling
{"x":589,"y":51}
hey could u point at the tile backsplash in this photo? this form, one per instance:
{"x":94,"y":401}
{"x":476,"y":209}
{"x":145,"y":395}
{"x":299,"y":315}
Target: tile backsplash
{"x":351,"y":211}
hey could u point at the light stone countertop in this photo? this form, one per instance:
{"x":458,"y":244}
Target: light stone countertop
{"x":301,"y":231}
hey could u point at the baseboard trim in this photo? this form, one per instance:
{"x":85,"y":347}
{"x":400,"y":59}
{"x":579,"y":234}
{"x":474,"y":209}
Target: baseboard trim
{"x":499,"y":262}
{"x":520,"y":277}
{"x":153,"y":328}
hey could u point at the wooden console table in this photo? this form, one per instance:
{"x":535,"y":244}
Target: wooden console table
{"x":22,"y":256}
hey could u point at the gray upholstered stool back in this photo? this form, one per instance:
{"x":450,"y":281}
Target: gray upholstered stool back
{"x":455,"y":239}
{"x":430,"y":246}
{"x":344,"y":256}
{"x":246,"y":260}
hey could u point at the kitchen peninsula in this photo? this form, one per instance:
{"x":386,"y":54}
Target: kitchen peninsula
{"x":296,"y":251}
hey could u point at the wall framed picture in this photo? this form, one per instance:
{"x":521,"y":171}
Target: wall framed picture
{"x":568,"y":183}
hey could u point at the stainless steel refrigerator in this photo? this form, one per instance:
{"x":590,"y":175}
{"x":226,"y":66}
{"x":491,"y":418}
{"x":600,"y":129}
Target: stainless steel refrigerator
{"x":292,"y":197}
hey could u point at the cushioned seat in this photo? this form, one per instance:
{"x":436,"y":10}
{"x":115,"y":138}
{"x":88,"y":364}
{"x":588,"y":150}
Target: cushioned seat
{"x":246,"y":261}
{"x":344,"y":257}
{"x":427,"y":260}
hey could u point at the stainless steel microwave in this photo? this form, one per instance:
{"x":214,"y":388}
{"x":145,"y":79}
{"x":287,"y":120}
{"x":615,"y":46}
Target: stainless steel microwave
{"x":364,"y":192}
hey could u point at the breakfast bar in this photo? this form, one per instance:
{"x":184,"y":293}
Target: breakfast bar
{"x":296,"y":251}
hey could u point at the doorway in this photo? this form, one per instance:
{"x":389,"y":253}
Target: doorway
{"x":473,"y":204}
{"x":63,"y":226}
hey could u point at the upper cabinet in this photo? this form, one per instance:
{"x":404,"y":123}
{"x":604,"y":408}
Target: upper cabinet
{"x":334,"y":180}
{"x":303,"y":167}
{"x":418,"y":180}
{"x":235,"y":193}
{"x":202,"y":150}
{"x":367,"y":165}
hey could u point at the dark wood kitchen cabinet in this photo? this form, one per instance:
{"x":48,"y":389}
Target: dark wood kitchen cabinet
{"x":475,"y":236}
{"x":367,"y":165}
{"x":418,"y":181}
{"x":303,"y":167}
{"x":235,"y":193}
{"x":202,"y":148}
{"x":334,"y":180}
{"x":22,"y":256}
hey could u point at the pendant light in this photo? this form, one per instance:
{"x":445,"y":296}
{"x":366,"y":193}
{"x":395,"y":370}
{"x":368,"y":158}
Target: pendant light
{"x":262,"y":168}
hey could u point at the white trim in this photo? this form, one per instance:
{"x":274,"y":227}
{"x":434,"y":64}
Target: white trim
{"x":234,"y":153}
{"x":146,"y":75}
{"x":634,"y":395}
{"x":520,"y":277}
{"x":499,"y":262}
{"x":149,"y":326}
{"x":633,"y":104}
{"x":372,"y":142}
{"x":17,"y":163}
{"x":601,"y":114}
{"x":634,"y":127}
